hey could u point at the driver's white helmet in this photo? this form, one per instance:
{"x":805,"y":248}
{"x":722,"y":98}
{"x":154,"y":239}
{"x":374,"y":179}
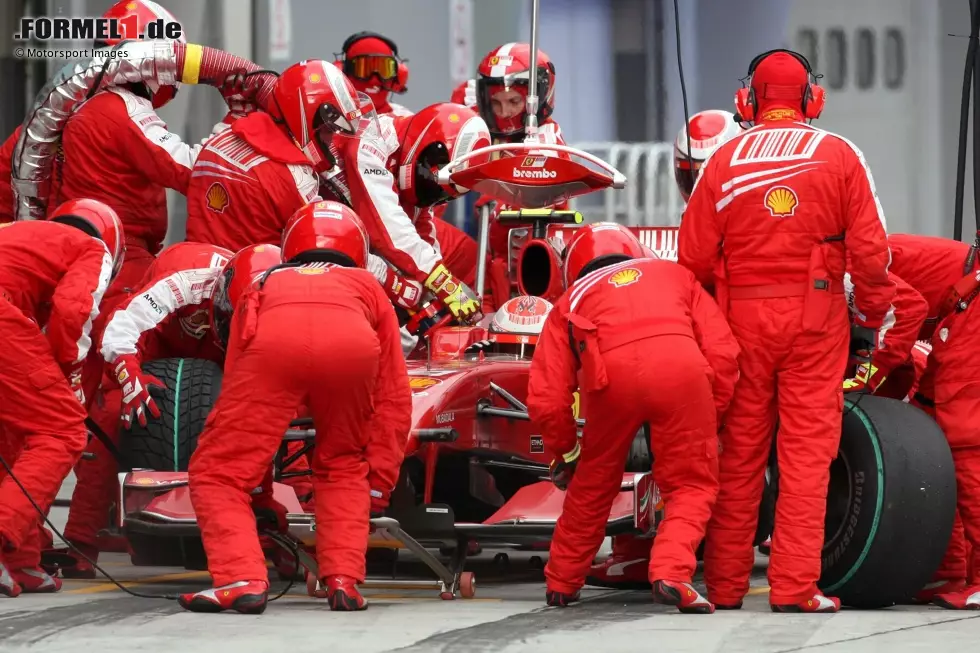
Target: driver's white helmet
{"x":709,"y":129}
{"x":522,"y":316}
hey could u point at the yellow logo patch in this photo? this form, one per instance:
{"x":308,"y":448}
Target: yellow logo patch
{"x":217,"y":198}
{"x":315,"y":77}
{"x":781,"y":201}
{"x":625,"y":277}
{"x":420,"y":383}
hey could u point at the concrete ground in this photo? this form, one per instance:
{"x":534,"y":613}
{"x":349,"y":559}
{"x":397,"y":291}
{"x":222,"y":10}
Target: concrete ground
{"x":507,"y":614}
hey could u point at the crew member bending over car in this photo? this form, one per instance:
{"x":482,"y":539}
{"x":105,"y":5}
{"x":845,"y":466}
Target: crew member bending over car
{"x":773,"y":217}
{"x":166,"y":317}
{"x":52,"y":277}
{"x":652,"y":347}
{"x":627,"y":566}
{"x":278,"y":350}
{"x":948,"y":276}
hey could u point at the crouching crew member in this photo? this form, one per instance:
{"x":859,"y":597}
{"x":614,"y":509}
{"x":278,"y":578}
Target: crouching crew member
{"x":53,"y":275}
{"x":318,"y":329}
{"x":652,"y":347}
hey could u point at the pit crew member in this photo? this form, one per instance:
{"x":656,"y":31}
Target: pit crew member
{"x":367,"y":407}
{"x":52,"y":277}
{"x":774,"y":215}
{"x":946,"y":273}
{"x":168,"y":316}
{"x":371,"y":62}
{"x":6,"y":192}
{"x":653,"y":347}
{"x":627,"y":566}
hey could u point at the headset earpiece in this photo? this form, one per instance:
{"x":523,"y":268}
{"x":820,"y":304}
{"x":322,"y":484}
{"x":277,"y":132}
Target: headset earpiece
{"x":815,"y":101}
{"x":745,"y":104}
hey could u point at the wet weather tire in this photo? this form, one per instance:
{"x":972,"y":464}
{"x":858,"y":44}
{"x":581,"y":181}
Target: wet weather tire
{"x":166,"y":443}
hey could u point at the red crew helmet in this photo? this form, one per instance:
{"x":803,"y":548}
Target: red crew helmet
{"x":325,"y":231}
{"x":239,"y":274}
{"x":317,"y":102}
{"x":429,"y":140}
{"x":132,"y":18}
{"x":97,"y":220}
{"x":597,"y":245}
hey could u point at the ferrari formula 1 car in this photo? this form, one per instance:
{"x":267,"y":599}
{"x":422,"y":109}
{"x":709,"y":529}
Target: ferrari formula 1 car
{"x":475,"y":468}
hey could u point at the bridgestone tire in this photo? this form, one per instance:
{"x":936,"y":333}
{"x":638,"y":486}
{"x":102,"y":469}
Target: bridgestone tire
{"x":166,"y":443}
{"x":890,"y":504}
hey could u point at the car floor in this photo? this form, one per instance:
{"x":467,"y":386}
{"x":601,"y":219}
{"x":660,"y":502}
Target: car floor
{"x":507,"y":614}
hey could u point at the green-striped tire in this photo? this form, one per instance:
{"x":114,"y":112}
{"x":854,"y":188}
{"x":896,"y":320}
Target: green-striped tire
{"x":890,"y":504}
{"x":166,"y":443}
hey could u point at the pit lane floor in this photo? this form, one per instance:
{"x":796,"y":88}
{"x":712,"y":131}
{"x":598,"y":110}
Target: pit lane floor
{"x":505,"y":616}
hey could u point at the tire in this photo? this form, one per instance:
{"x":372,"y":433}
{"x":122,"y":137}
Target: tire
{"x":890,"y":504}
{"x":166,"y":443}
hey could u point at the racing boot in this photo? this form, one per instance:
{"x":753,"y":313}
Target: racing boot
{"x":687,"y":599}
{"x":967,"y":598}
{"x":557,"y":599}
{"x":8,"y":586}
{"x":626,"y":568}
{"x":35,"y":581}
{"x":818,"y":604}
{"x":245,"y":596}
{"x":937,"y":587}
{"x":343,"y":595}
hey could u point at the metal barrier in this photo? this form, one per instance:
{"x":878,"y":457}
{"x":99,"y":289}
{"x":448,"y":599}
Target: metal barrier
{"x":650,"y":199}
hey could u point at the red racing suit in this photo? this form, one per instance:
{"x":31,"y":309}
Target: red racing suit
{"x":365,"y":180}
{"x":168,"y":316}
{"x":951,"y":383}
{"x":6,"y":190}
{"x":775,"y":213}
{"x":278,"y":351}
{"x":52,"y":277}
{"x":246,"y":184}
{"x":657,"y":350}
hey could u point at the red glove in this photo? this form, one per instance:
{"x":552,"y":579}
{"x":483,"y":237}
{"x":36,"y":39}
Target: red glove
{"x":270,"y":515}
{"x":402,"y":291}
{"x":379,"y":502}
{"x":241,"y":92}
{"x":135,"y":387}
{"x":74,"y":376}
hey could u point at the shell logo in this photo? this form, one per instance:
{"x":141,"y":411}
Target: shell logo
{"x":131,"y":6}
{"x":421,"y":383}
{"x":494,"y":61}
{"x":454,"y":117}
{"x":625,"y":277}
{"x":781,"y":201}
{"x":315,"y":77}
{"x":217,"y":198}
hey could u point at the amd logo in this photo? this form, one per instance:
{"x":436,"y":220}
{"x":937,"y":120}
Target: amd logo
{"x":534,"y":174}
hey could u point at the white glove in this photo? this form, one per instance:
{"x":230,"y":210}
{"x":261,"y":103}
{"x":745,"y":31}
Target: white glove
{"x":469,"y":95}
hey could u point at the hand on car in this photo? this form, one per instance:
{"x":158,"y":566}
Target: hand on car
{"x":455,"y":294}
{"x":135,"y":385}
{"x":563,"y":467}
{"x":379,"y":503}
{"x":866,"y":378}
